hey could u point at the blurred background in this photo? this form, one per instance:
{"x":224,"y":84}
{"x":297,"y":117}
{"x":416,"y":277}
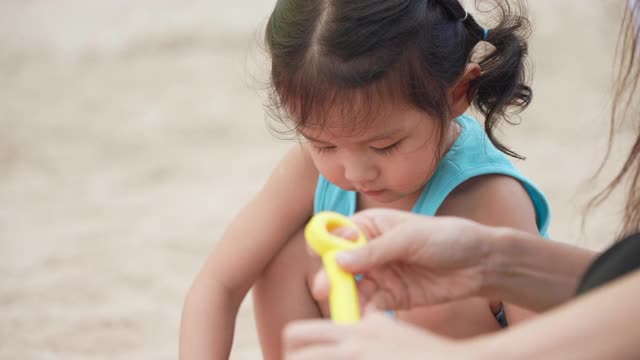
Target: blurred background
{"x":131,"y":132}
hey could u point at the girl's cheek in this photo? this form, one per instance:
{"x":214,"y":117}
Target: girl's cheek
{"x":328,"y":169}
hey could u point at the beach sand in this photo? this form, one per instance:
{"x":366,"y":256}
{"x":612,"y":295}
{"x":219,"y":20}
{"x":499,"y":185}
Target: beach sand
{"x":132,"y":132}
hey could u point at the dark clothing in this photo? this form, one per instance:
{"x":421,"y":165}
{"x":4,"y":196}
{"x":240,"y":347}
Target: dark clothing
{"x":620,"y":259}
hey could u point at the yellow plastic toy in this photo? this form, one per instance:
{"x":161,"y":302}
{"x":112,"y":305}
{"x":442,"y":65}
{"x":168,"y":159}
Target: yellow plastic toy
{"x":343,"y":296}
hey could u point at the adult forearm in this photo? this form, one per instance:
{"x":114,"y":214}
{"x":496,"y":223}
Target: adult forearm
{"x":208,"y":321}
{"x":602,"y":324}
{"x":531,"y":272}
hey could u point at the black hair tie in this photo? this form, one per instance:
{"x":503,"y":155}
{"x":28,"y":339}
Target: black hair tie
{"x":458,"y":12}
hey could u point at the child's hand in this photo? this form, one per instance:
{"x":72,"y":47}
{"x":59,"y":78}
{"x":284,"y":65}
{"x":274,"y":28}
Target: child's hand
{"x":413,"y":260}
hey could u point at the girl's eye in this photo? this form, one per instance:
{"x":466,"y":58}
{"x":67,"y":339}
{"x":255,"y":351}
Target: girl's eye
{"x":324,"y":149}
{"x":387,"y":149}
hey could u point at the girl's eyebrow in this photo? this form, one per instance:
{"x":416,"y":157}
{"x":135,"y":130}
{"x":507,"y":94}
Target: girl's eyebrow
{"x":384,"y":135}
{"x":377,"y":137}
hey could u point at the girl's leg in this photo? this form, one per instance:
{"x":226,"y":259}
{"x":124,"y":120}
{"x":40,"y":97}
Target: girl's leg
{"x":459,"y":319}
{"x":281,"y":294}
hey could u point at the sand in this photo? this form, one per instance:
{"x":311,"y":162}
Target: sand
{"x":132,"y":132}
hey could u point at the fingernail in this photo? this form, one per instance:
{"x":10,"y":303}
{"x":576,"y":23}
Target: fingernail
{"x":345,"y":258}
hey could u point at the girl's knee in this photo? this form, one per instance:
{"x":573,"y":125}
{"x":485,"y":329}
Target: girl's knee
{"x":286,"y":268}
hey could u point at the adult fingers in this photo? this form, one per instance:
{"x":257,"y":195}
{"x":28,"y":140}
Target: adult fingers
{"x":318,"y":352}
{"x":305,"y":333}
{"x":389,"y":247}
{"x":391,"y":235}
{"x":375,"y":222}
{"x":346,"y":232}
{"x":382,"y":301}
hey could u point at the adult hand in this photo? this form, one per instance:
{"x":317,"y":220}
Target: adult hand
{"x":413,"y":260}
{"x":376,"y":337}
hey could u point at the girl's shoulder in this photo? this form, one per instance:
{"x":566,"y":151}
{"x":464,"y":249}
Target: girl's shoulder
{"x":479,"y":174}
{"x":493,"y":199}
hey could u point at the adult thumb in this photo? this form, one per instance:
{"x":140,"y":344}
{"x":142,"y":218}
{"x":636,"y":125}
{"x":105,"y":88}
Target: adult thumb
{"x":380,"y":251}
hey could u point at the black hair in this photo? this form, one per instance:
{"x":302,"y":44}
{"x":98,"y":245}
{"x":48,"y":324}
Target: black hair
{"x":348,"y":54}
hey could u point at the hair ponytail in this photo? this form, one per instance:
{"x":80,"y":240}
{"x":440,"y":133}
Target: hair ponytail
{"x":502,"y":87}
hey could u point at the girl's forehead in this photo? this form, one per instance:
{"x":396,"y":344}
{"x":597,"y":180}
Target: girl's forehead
{"x":379,"y":127}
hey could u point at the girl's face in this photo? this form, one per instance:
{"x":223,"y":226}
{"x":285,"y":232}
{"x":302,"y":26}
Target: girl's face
{"x":389,"y":162}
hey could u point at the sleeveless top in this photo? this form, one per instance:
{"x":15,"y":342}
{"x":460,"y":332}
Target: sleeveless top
{"x":471,"y":155}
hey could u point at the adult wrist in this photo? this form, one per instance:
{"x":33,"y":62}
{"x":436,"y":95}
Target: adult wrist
{"x":526,"y":270}
{"x":500,"y":258}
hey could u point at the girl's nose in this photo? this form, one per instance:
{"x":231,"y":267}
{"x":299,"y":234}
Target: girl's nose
{"x":360,"y":172}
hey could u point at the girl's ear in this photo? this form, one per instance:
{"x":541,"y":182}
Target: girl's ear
{"x":459,"y":93}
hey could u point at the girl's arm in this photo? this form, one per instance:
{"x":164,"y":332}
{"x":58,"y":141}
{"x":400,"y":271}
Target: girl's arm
{"x":256,"y":234}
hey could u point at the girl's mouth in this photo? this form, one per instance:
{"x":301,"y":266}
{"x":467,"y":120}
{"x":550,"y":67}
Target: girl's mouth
{"x":373,"y":193}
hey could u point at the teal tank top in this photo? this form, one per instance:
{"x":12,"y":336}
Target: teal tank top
{"x":471,"y":155}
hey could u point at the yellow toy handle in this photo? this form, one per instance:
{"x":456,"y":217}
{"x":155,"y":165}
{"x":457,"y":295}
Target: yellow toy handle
{"x":343,"y":296}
